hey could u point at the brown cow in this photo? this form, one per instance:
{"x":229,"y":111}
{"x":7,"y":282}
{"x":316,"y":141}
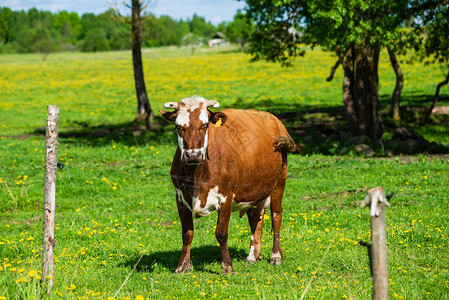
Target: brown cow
{"x":234,"y":160}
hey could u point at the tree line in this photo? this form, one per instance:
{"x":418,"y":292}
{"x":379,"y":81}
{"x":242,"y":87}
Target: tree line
{"x":46,"y":32}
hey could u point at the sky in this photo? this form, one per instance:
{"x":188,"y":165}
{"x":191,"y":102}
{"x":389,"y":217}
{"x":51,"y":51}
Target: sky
{"x":215,"y":11}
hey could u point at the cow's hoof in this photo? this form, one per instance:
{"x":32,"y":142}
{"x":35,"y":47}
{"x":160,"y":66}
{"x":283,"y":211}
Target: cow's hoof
{"x":276,"y":259}
{"x":227,"y":269}
{"x":252,"y":259}
{"x":183,"y":268}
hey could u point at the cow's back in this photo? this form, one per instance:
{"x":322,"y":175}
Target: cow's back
{"x":242,"y":156}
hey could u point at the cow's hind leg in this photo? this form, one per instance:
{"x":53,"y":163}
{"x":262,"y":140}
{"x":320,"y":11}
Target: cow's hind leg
{"x":276,"y":218}
{"x":255,"y":218}
{"x":221,"y":233}
{"x":187,"y":236}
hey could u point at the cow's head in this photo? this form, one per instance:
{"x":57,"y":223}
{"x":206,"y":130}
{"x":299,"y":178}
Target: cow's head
{"x":192,"y":119}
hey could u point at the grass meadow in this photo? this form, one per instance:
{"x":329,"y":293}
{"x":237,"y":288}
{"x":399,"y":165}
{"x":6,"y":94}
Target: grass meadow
{"x":117,"y":229}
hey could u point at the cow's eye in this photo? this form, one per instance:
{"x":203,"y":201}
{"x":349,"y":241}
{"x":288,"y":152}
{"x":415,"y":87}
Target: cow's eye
{"x":177,"y":127}
{"x":206,"y":125}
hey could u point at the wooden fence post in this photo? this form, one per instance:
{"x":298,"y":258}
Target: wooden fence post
{"x":377,"y":201}
{"x":51,"y":159}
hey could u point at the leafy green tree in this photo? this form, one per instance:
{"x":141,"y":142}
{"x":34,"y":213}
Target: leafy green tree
{"x":200,"y":27}
{"x":223,"y":27}
{"x":163,"y":31}
{"x":239,"y":30}
{"x":5,"y":14}
{"x":44,"y":45}
{"x":354,"y":30}
{"x":68,"y":25}
{"x":17,"y":23}
{"x":117,"y":31}
{"x":24,"y":40}
{"x":95,"y":40}
{"x":88,"y":22}
{"x":192,"y":40}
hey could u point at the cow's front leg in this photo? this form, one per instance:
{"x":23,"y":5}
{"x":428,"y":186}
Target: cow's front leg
{"x":221,"y":233}
{"x":187,"y":236}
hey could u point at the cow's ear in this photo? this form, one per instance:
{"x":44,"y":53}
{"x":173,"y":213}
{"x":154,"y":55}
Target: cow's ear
{"x":169,"y":115}
{"x":217,"y":118}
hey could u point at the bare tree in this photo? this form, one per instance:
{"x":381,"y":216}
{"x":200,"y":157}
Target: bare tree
{"x":144,"y":111}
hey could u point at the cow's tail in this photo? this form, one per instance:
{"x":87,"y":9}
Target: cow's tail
{"x":285,"y":144}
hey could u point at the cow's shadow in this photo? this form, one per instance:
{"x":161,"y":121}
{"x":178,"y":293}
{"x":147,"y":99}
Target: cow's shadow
{"x":202,"y":259}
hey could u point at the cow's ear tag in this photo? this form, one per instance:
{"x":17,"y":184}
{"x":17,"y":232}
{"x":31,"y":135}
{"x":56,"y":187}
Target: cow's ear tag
{"x":218,"y":124}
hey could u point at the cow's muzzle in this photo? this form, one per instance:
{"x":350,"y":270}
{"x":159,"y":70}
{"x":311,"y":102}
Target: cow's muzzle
{"x":193,"y":156}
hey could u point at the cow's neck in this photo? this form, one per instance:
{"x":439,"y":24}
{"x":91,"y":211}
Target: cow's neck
{"x":193,"y":171}
{"x":193,"y":175}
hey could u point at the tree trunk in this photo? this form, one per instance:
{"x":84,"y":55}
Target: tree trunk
{"x":436,"y":97}
{"x":144,"y":111}
{"x":361,"y":91}
{"x":348,"y":98}
{"x":395,"y":114}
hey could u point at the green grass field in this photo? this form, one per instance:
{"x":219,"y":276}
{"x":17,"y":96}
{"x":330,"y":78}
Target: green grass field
{"x":116,"y":219}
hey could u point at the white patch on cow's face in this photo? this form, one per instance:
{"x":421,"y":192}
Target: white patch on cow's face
{"x":213,"y":202}
{"x":183,"y":118}
{"x":204,"y":117}
{"x":190,"y":104}
{"x":204,"y":148}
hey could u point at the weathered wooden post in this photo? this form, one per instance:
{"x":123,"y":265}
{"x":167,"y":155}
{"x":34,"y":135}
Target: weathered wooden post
{"x":377,"y":201}
{"x":51,"y":157}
